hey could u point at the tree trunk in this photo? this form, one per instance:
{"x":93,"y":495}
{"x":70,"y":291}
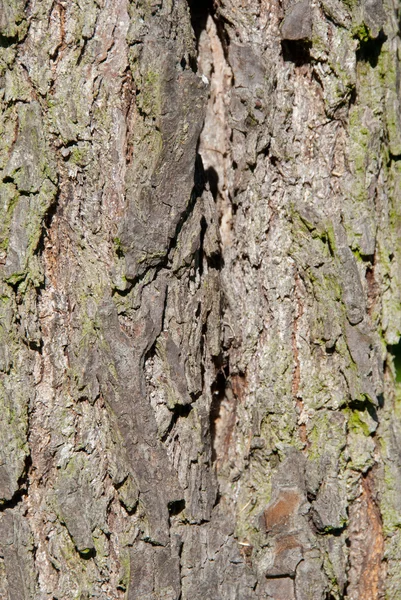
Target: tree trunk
{"x":200,"y":300}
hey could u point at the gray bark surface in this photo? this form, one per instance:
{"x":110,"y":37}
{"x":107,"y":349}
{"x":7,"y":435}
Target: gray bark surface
{"x":200,"y":272}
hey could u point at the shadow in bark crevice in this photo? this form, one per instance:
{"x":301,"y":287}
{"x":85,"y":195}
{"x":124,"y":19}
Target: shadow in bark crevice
{"x":296,"y":51}
{"x":176,"y":507}
{"x":362,"y":406}
{"x":179,"y":410}
{"x":22,"y":491}
{"x":369,"y":50}
{"x":7,"y":41}
{"x":200,"y":11}
{"x":219,"y":389}
{"x":395,"y":353}
{"x":213,"y":179}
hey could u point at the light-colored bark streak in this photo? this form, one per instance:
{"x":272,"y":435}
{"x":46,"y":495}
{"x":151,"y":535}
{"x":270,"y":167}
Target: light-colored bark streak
{"x":214,"y":143}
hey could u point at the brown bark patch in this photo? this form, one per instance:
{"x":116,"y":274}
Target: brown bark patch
{"x":366,"y":574}
{"x":278,"y":514}
{"x":286,"y":543}
{"x":239,"y":386}
{"x":288,"y":553}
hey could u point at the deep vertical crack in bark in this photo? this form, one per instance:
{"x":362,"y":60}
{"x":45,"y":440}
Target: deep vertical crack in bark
{"x":215,"y":151}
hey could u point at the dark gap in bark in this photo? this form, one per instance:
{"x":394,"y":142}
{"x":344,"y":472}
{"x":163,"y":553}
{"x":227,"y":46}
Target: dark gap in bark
{"x":362,"y":405}
{"x":346,"y":584}
{"x":224,"y":37}
{"x":200,"y":10}
{"x":336,"y":532}
{"x":179,"y":410}
{"x":36,"y":345}
{"x":182,"y":410}
{"x":296,"y":51}
{"x":218,"y":389}
{"x":176,"y":507}
{"x":14,"y":501}
{"x":202,"y":350}
{"x":163,"y":320}
{"x":117,"y":486}
{"x":367,"y":258}
{"x":330,"y":246}
{"x":218,"y":499}
{"x":216,"y":261}
{"x":275,"y":577}
{"x":199,"y":255}
{"x":193,"y":63}
{"x":22,"y":489}
{"x":7,"y":41}
{"x":87,"y":554}
{"x":395,"y":352}
{"x":311,"y":496}
{"x":265,"y":151}
{"x":369,"y":50}
{"x":394,"y":157}
{"x":213,"y":180}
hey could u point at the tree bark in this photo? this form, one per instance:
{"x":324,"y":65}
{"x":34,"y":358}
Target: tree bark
{"x":200,"y":306}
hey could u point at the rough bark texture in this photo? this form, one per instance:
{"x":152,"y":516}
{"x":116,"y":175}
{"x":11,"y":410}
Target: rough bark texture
{"x":200,"y":265}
